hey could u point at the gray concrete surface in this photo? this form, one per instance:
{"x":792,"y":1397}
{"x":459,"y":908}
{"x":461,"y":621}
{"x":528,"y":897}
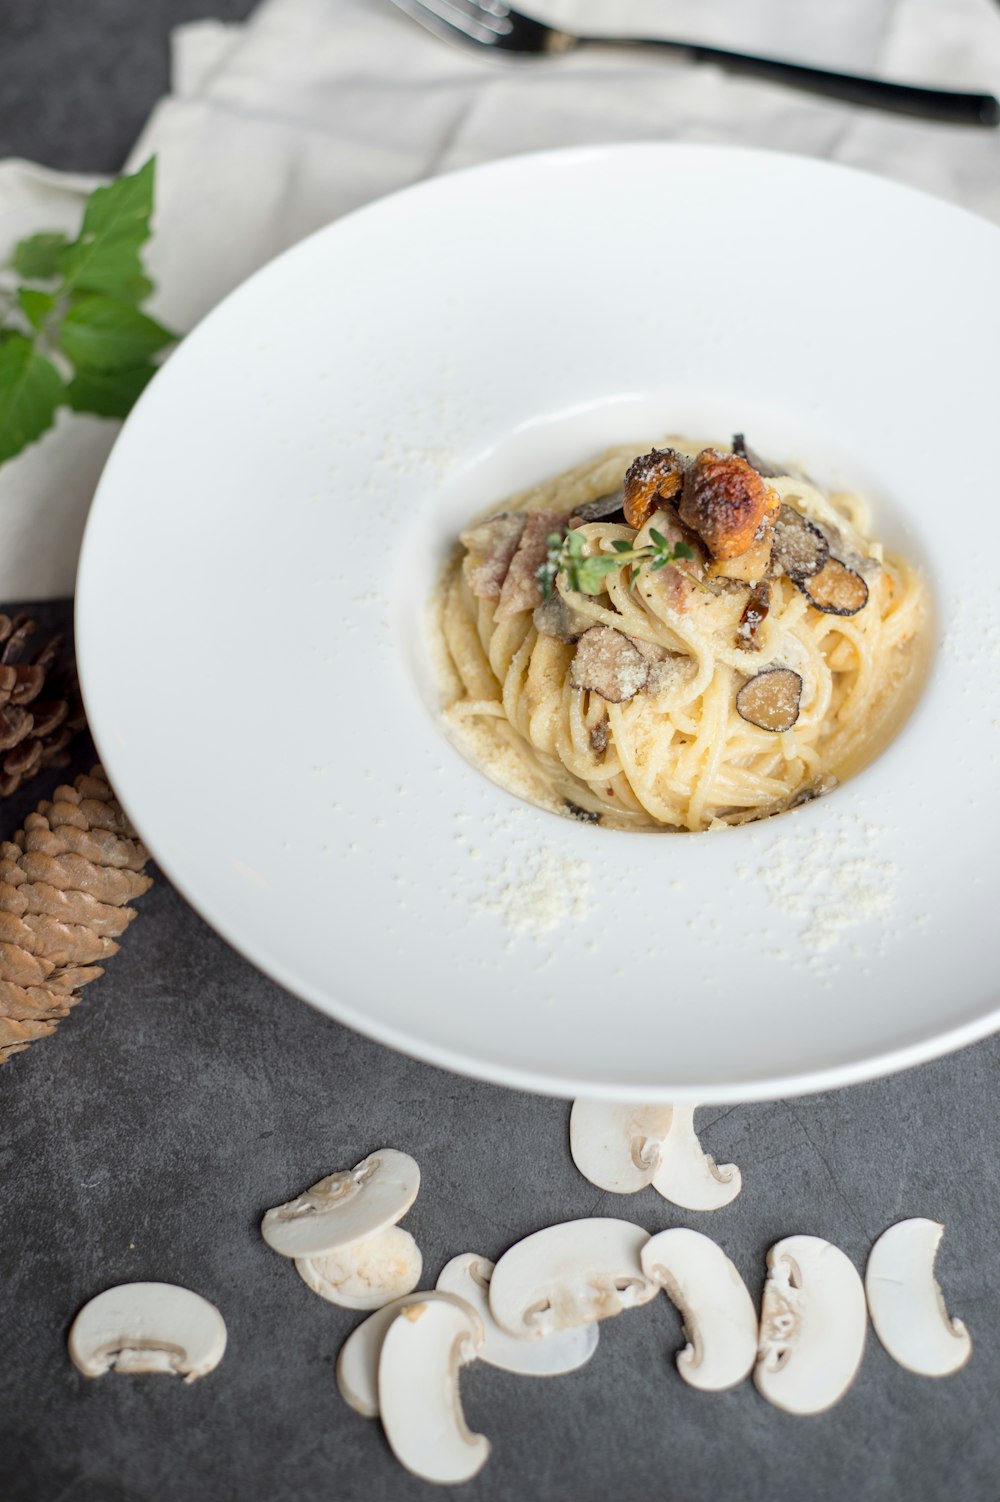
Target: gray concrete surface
{"x":187,"y":1093}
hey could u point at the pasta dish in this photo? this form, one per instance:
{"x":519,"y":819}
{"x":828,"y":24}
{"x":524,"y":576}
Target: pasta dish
{"x":683,"y":640}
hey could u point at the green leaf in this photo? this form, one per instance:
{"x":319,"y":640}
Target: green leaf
{"x":658,"y":538}
{"x":592,"y":572}
{"x":683,"y":550}
{"x":104,"y":333}
{"x":133,"y":288}
{"x":36,"y":305}
{"x":30,"y":391}
{"x":37,"y":257}
{"x":108,"y":393}
{"x":621,"y":546}
{"x":105,"y":257}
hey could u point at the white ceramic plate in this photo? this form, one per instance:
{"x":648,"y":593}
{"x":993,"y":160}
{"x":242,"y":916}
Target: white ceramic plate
{"x":265,"y":536}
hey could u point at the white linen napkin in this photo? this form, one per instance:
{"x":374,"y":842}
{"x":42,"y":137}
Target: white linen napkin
{"x":314,"y":107}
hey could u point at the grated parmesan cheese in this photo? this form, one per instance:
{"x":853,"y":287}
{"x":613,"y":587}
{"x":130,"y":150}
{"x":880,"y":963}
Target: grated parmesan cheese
{"x":830,"y":881}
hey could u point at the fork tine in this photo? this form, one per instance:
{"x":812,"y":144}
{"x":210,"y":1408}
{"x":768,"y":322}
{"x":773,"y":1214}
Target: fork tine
{"x":490,"y":13}
{"x":458,"y":19}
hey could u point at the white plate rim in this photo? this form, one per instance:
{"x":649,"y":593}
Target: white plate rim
{"x":934,"y":1044}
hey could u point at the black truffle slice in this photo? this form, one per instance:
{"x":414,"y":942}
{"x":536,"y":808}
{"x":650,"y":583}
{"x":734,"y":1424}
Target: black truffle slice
{"x":741,"y":447}
{"x":799,"y":547}
{"x":604,"y":508}
{"x":835,"y":589}
{"x":607,"y":663}
{"x":771,"y":699}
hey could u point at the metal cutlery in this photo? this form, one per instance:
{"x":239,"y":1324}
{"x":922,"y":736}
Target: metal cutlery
{"x":509,"y":33}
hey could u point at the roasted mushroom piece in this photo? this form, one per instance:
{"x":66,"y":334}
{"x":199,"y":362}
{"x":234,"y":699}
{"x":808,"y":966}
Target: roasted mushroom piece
{"x":799,"y":546}
{"x":600,"y":734}
{"x":726,"y":502}
{"x":607,"y":663}
{"x":835,"y":589}
{"x":771,"y":699}
{"x":651,"y":478}
{"x":755,"y":610}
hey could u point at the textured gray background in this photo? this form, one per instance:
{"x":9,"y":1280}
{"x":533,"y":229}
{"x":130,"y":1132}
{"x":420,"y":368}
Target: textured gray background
{"x":188,"y":1093}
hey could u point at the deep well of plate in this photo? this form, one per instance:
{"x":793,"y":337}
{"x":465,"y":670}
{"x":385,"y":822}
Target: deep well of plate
{"x":270,"y":524}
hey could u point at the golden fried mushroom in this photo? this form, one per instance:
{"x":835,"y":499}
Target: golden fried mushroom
{"x":653,"y":477}
{"x":726,"y":502}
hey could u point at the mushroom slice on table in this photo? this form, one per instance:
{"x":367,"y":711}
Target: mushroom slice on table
{"x":147,"y":1327}
{"x":468,"y":1276}
{"x":344,"y":1207}
{"x":812,"y":1325}
{"x":687,"y":1175}
{"x":418,"y":1395}
{"x":622,"y":1148}
{"x":365,"y":1274}
{"x":720,"y":1321}
{"x":906,"y":1303}
{"x":617,"y":1147}
{"x":357,"y":1364}
{"x":570,"y":1274}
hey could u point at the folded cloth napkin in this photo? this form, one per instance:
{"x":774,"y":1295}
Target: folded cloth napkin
{"x":314,"y":107}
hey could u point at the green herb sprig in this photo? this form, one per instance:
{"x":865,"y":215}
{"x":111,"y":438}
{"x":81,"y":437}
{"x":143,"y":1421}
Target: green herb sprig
{"x":71,"y":333}
{"x":567,"y":553}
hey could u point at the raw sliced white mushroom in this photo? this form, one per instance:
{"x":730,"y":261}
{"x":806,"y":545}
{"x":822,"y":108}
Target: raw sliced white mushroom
{"x":365,"y":1274}
{"x":617,"y":1146}
{"x":468,"y":1276}
{"x":422,"y":1352}
{"x":622,"y":1148}
{"x":812,"y":1325}
{"x":344,"y":1207}
{"x":720,"y":1321}
{"x":357,"y":1364}
{"x":147,"y":1327}
{"x":686,"y":1175}
{"x":568,"y":1275}
{"x":906,"y":1303}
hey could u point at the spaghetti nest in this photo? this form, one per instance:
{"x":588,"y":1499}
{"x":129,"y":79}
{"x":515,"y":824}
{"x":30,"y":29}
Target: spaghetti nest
{"x":722,"y":671}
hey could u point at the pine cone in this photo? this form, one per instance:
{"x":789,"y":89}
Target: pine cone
{"x":35,"y":737}
{"x":65,"y":880}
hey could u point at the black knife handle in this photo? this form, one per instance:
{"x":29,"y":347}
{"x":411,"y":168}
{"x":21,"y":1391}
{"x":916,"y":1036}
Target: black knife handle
{"x":876,"y":93}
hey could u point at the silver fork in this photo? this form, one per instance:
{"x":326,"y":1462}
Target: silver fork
{"x":505,"y":31}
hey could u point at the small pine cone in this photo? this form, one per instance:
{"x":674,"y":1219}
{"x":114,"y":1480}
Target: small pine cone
{"x":66,"y":881}
{"x":40,"y":705}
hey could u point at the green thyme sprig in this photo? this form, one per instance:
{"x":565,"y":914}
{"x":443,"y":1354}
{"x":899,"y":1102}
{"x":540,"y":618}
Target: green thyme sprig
{"x":567,"y":553}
